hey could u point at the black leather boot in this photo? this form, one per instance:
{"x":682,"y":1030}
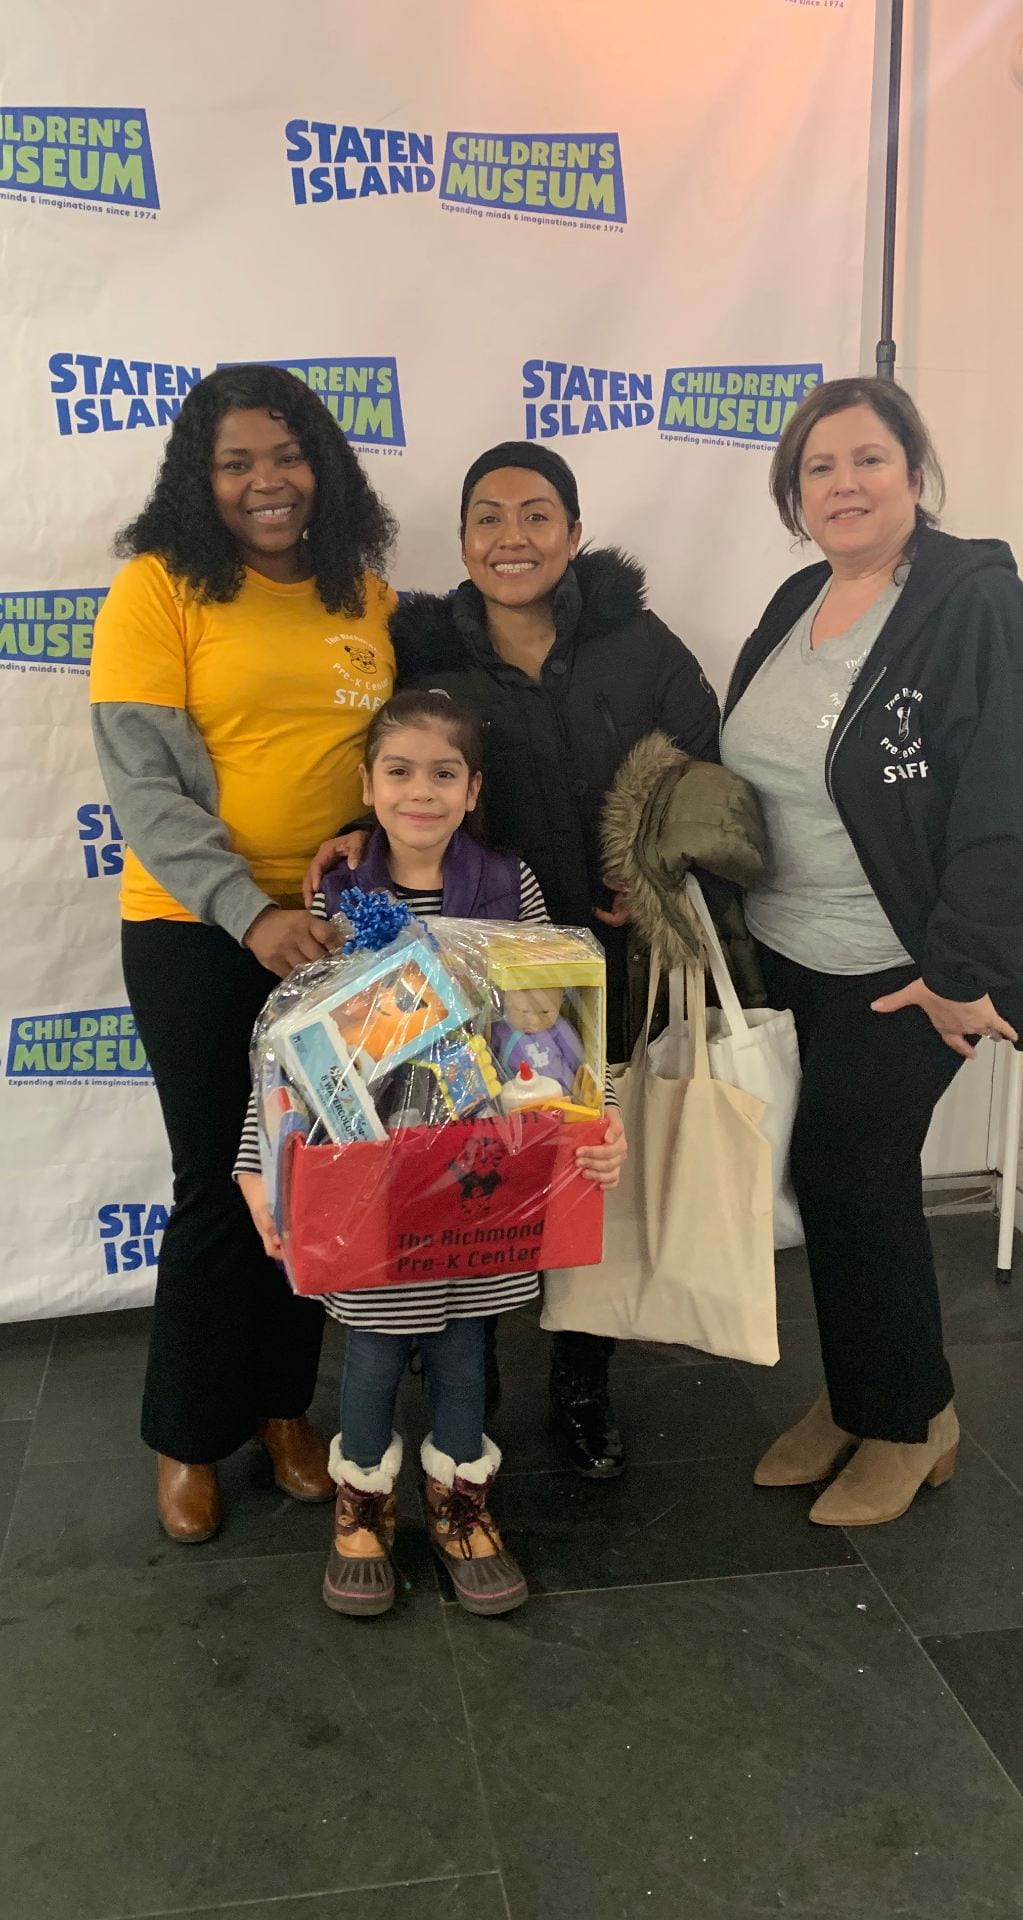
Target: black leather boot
{"x":582,"y":1414}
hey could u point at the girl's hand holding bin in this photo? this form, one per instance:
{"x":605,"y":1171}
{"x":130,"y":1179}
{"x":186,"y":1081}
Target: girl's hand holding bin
{"x":253,"y":1188}
{"x":603,"y":1164}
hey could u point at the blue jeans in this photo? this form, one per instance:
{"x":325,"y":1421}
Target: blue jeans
{"x":454,"y":1366}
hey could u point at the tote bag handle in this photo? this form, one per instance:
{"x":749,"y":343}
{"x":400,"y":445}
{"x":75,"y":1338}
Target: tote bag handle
{"x":696,"y":1015}
{"x":696,"y":1018}
{"x":728,"y":999}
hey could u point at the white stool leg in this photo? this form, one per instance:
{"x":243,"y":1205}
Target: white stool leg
{"x":1010,"y":1165}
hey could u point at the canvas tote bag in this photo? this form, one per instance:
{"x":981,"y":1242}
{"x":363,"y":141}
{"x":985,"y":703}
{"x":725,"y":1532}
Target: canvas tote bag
{"x":755,"y":1049}
{"x":688,"y":1242}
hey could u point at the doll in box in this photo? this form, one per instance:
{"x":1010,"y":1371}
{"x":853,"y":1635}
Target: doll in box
{"x":532,"y":1031}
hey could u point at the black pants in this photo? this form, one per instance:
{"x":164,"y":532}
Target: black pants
{"x":583,"y":1356}
{"x":231,"y":1344}
{"x":870,"y":1085}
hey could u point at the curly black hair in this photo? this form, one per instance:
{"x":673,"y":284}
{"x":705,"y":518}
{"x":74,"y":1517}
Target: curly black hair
{"x":350,"y":531}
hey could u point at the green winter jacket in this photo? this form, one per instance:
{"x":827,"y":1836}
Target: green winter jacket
{"x":664,"y":815}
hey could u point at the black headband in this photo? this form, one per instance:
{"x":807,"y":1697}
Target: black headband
{"x":535,"y":459}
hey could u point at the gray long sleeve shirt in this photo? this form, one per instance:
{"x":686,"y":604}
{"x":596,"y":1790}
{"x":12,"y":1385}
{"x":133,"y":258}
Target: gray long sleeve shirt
{"x":163,"y":789}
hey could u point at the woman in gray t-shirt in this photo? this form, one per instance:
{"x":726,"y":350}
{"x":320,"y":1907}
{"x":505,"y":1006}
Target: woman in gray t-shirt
{"x":878,"y":712}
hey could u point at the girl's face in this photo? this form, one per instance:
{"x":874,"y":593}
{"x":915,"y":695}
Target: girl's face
{"x":518,"y":538}
{"x":420,"y":788}
{"x":264,"y":489}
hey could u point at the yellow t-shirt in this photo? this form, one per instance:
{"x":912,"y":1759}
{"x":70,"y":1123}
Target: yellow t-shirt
{"x":282,"y":693}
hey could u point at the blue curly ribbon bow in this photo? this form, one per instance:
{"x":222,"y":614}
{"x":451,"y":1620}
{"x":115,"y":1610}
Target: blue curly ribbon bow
{"x":375,"y":918}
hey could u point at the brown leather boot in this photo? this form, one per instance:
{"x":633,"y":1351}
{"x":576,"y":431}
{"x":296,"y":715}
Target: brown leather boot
{"x":187,"y":1500}
{"x":359,"y":1579}
{"x":462,"y":1533}
{"x":299,"y":1459}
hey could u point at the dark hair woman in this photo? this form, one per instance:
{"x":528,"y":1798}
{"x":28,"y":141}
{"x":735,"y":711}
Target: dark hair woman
{"x":556,"y":650}
{"x":239,"y":658}
{"x":878,"y":712}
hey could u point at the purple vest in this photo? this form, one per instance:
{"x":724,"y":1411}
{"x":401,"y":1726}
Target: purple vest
{"x":478,"y":884}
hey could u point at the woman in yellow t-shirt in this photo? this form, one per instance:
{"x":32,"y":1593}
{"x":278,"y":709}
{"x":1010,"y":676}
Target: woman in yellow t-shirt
{"x":238,"y":660}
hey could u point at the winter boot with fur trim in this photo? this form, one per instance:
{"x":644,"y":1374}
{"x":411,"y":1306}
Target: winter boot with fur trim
{"x":485,"y":1577}
{"x":360,"y":1579}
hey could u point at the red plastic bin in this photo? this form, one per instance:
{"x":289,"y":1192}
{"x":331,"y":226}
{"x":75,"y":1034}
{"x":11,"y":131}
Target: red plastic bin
{"x":450,"y":1203}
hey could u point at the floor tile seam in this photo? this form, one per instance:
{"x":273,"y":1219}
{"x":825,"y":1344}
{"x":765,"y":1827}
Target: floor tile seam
{"x":735,"y":1367}
{"x":490,"y":1830}
{"x":992,"y":1462}
{"x":197,"y":1565}
{"x":946,"y":1685}
{"x":318,"y":1893}
{"x":694,"y":1580}
{"x":100,"y":1356}
{"x":98,"y":1374}
{"x":28,"y":1443}
{"x":1005,"y":1337}
{"x":635,"y":1465}
{"x":44,"y":1376}
{"x":539,"y":1369}
{"x":83,"y":1460}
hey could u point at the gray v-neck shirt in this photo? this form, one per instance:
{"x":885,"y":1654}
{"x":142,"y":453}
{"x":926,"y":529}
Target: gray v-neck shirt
{"x":814,"y":904}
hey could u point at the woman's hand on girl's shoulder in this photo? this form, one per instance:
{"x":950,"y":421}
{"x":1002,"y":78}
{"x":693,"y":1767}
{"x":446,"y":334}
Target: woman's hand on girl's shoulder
{"x":283,"y":938}
{"x":329,"y":854}
{"x":603,"y":1164}
{"x":619,"y":913}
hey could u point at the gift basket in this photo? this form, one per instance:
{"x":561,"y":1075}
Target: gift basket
{"x":421,"y":1096}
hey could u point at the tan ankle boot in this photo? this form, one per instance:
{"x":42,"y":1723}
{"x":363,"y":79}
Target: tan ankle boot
{"x":359,"y":1579}
{"x":462,"y":1533}
{"x":884,"y":1477}
{"x":187,"y":1500}
{"x":807,"y":1452}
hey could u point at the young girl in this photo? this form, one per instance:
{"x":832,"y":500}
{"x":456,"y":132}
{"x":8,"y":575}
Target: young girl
{"x":422,"y":777}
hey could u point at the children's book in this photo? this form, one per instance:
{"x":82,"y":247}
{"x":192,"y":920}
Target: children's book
{"x":323,"y":1066}
{"x":392,"y":1008}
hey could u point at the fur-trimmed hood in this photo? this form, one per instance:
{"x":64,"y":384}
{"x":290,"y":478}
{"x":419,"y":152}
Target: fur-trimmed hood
{"x":602,"y":590}
{"x":664,"y":814}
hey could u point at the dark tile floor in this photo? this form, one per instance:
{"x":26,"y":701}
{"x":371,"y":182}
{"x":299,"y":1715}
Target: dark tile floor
{"x":709,"y":1710}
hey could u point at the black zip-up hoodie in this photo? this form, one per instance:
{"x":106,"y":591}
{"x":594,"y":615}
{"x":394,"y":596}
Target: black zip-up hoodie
{"x":925,"y":764}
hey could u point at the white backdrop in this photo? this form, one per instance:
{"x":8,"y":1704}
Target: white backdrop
{"x":639,"y":235}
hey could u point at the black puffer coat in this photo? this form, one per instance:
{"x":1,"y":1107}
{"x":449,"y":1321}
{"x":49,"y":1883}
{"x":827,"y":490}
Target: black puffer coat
{"x":553,"y":746}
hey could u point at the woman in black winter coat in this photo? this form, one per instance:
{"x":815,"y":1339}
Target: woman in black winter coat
{"x":557,"y":651}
